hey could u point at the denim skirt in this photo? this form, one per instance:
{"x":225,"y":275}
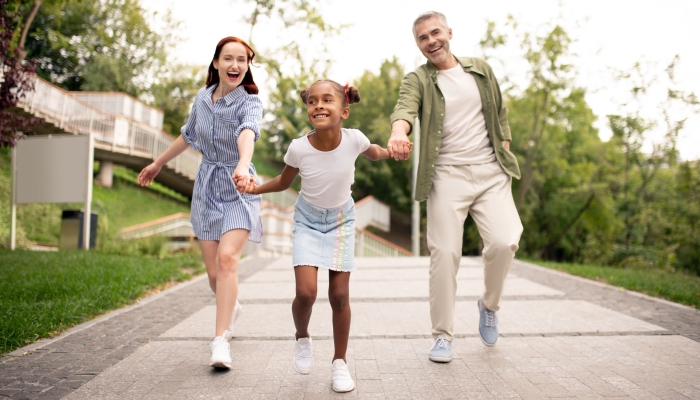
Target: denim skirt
{"x":324,"y":237}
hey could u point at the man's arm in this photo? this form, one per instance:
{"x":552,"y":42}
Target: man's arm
{"x":502,"y":112}
{"x":402,"y":118}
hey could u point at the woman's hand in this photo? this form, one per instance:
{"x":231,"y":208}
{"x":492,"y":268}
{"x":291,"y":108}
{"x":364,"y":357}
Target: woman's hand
{"x":148,"y":174}
{"x":243,"y":179}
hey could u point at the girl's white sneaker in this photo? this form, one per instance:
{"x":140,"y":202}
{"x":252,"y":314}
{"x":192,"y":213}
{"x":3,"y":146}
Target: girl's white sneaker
{"x":303,"y":359}
{"x":342,"y":381}
{"x":220,"y":352}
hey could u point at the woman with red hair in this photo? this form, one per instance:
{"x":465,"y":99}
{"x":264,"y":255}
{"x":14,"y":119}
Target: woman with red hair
{"x":224,"y":125}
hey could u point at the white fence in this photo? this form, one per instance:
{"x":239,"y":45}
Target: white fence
{"x":370,"y":211}
{"x":113,"y":133}
{"x":122,"y":104}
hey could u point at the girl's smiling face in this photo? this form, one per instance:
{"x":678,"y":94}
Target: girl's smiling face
{"x":232,"y":64}
{"x":325,"y":109}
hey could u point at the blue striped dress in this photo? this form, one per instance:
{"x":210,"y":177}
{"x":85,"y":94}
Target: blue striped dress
{"x":213,"y":129}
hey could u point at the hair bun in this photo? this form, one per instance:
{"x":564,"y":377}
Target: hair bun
{"x":304,"y":94}
{"x":353,"y":95}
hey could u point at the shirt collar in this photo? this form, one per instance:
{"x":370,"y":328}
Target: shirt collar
{"x":229,"y":98}
{"x":468,"y":67}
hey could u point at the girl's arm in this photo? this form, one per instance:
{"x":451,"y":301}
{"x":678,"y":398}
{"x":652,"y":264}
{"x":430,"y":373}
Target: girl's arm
{"x":150,"y":171}
{"x":376,"y":152}
{"x":280,"y":183}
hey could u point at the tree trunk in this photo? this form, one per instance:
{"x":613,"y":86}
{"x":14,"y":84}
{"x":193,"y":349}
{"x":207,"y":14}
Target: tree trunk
{"x":21,"y":53}
{"x":571,"y":223}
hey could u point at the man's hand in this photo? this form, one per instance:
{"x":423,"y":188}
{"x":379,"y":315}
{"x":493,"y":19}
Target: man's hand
{"x":399,"y":146}
{"x":506,"y":144}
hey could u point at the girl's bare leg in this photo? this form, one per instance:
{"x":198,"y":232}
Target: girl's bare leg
{"x":228,"y":257}
{"x":307,"y":286}
{"x":339,"y":297}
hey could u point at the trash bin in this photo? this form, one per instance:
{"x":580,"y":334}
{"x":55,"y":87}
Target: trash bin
{"x":72,"y":230}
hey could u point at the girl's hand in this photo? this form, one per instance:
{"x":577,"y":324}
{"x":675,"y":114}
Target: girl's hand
{"x":242,"y":178}
{"x":148,"y":174}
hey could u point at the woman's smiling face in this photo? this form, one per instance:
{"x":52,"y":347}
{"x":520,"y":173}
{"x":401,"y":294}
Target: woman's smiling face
{"x":324,"y":106}
{"x":232,"y":64}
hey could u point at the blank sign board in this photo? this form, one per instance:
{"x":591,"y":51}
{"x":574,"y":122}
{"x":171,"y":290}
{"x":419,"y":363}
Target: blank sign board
{"x":52,"y":169}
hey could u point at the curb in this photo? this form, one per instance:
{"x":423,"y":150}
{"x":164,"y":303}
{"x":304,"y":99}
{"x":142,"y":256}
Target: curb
{"x":85,"y":325}
{"x":606,"y":286}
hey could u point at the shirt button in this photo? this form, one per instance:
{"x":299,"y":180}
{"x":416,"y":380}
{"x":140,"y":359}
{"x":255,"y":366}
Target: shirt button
{"x":441,"y":115}
{"x":436,"y":148}
{"x":442,"y":98}
{"x":439,"y":131}
{"x":217,"y":193}
{"x":432,"y":166}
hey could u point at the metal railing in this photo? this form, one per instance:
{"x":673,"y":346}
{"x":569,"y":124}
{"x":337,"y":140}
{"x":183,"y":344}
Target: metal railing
{"x":113,"y":133}
{"x":368,"y":244}
{"x":122,"y":104}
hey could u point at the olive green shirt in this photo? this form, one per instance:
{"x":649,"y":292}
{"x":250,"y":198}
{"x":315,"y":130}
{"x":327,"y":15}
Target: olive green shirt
{"x":421,"y":97}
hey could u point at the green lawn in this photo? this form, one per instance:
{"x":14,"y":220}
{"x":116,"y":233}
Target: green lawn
{"x":43,"y":293}
{"x":674,"y":286}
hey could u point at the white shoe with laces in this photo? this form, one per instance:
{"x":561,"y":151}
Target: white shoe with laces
{"x":303,"y":358}
{"x":342,"y":381}
{"x":220,"y":352}
{"x":234,"y":316}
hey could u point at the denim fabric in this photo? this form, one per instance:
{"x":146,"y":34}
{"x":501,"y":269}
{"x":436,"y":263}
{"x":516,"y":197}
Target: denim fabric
{"x":324,"y":237}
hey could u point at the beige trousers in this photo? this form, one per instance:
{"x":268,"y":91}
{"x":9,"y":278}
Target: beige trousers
{"x":485,"y":192}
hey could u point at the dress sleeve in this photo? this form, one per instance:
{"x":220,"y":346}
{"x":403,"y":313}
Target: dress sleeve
{"x":250,"y":116}
{"x":188,"y":130}
{"x":291,"y":157}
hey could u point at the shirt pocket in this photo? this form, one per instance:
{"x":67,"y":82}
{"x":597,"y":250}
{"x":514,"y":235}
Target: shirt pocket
{"x":229,"y":125}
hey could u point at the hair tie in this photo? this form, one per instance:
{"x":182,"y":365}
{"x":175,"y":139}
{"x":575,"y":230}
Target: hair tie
{"x":345,"y":91}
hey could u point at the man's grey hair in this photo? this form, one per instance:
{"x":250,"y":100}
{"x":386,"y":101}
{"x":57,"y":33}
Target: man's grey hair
{"x":431,"y":14}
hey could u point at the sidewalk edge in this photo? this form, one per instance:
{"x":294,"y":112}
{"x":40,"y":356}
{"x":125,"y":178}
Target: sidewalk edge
{"x":607,"y":286}
{"x":87,"y":324}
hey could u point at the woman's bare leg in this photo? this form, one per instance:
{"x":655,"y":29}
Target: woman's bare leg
{"x":229,"y":254}
{"x":210,"y":249}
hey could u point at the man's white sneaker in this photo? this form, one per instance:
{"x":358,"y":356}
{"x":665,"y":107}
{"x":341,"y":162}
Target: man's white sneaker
{"x":234,"y":316}
{"x":220,"y":352}
{"x":342,"y":381}
{"x":303,"y":359}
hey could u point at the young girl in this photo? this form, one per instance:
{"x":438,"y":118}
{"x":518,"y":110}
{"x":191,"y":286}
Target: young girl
{"x":324,"y":216}
{"x":223,"y":126}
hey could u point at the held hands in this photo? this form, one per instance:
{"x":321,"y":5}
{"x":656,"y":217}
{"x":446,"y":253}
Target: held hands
{"x":399,"y":146}
{"x":148,"y":174}
{"x":244,"y":181}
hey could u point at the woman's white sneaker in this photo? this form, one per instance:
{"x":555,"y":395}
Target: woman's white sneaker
{"x":220,"y":352}
{"x":303,"y":358}
{"x":234,"y":316}
{"x":342,"y":381}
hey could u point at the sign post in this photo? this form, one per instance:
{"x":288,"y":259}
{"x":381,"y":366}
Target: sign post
{"x":53,"y":169}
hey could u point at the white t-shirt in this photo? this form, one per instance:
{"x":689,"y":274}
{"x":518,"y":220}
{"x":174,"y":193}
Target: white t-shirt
{"x":326,"y":176}
{"x":465,"y":140}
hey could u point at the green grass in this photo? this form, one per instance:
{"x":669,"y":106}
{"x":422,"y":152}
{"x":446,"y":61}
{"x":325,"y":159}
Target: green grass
{"x":43,"y":293}
{"x":674,"y":286}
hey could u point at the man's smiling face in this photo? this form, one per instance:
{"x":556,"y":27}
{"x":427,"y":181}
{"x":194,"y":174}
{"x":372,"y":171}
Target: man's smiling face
{"x":433,"y":40}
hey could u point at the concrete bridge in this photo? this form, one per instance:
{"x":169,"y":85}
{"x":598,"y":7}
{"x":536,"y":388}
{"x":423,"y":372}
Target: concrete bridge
{"x":126,"y":131}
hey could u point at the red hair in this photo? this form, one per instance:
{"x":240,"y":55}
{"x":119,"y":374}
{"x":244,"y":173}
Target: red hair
{"x":213,"y":74}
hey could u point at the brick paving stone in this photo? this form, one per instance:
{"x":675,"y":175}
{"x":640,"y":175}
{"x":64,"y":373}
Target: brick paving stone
{"x":638,"y":351}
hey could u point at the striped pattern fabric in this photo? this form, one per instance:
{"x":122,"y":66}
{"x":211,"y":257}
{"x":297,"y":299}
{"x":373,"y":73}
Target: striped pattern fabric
{"x":213,"y":129}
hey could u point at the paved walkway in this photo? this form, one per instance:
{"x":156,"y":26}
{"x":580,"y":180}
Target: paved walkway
{"x":562,"y":337}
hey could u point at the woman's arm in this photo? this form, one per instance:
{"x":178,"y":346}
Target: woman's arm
{"x":242,"y":178}
{"x":280,"y":183}
{"x":376,"y":152}
{"x":150,"y":171}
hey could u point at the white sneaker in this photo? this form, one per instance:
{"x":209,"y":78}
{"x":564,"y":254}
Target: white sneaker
{"x":342,"y":381}
{"x":234,"y":316}
{"x":303,"y":359}
{"x":220,"y":352}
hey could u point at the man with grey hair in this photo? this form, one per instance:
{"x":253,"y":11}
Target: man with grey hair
{"x":465,"y":167}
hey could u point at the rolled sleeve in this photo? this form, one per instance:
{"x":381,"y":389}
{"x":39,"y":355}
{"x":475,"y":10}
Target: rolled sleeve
{"x":250,"y":116}
{"x":409,"y":101}
{"x":502,"y":111}
{"x":188,"y":131}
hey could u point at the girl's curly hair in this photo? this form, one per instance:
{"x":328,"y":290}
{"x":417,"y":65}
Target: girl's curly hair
{"x":349,"y":94}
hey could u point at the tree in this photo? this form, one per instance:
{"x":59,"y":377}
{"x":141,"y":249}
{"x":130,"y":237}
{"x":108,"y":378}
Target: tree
{"x":16,"y":71}
{"x":100,"y":45}
{"x":387,"y":180}
{"x":173,"y":94}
